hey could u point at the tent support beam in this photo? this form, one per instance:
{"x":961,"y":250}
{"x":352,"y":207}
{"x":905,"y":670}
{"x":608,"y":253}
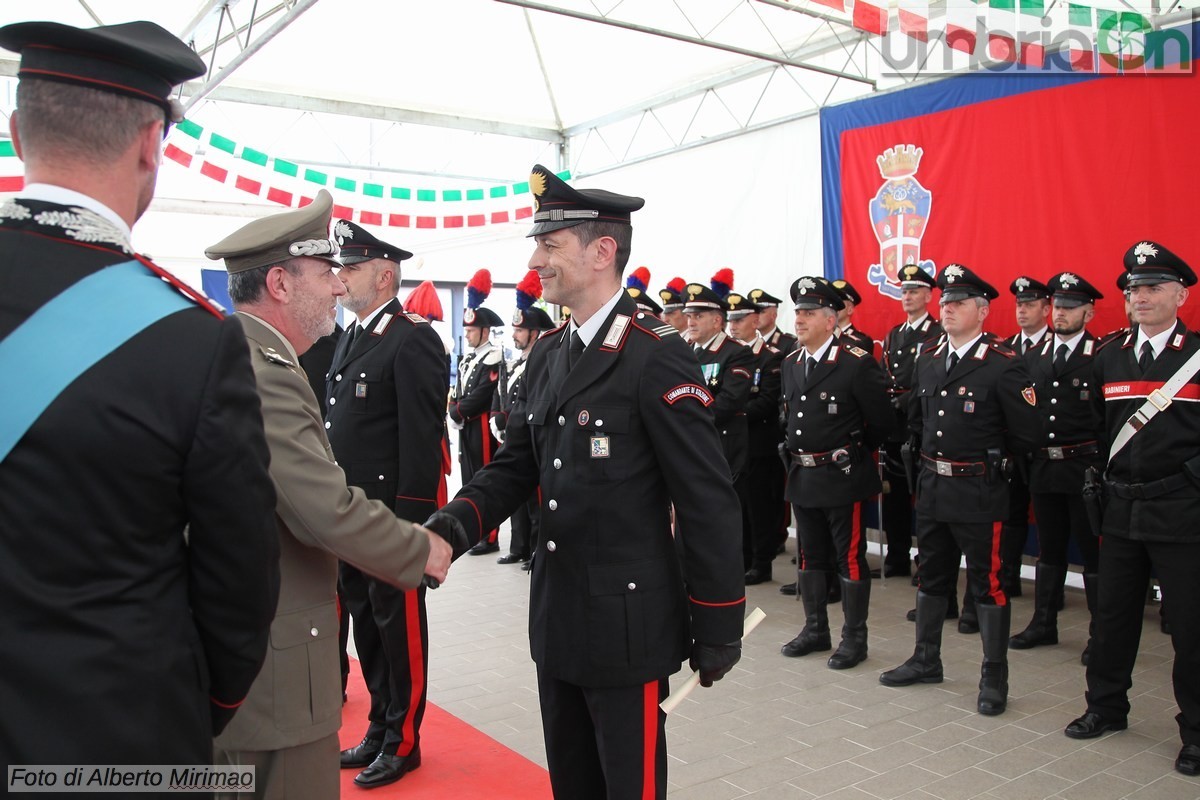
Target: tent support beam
{"x":741,"y":51}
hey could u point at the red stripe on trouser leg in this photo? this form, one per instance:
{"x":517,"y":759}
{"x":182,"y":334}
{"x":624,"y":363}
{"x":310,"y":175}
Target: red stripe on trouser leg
{"x":494,"y":534}
{"x":855,"y":542}
{"x":416,"y":671}
{"x":649,"y":738}
{"x":994,"y":588}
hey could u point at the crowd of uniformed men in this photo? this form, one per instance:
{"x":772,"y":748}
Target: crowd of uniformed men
{"x":713,"y":426}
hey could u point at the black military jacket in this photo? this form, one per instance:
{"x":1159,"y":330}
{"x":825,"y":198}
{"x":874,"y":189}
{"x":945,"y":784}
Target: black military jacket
{"x":899,"y":359}
{"x":385,"y":396}
{"x":615,"y":599}
{"x":507,"y":391}
{"x":988,"y":403}
{"x":843,"y":406}
{"x":728,"y":369}
{"x":853,"y":336}
{"x":1166,"y":447}
{"x":762,"y":409}
{"x":783,"y":342}
{"x":1065,"y":401}
{"x":471,"y":402}
{"x":138,"y":549}
{"x":1014,"y":342}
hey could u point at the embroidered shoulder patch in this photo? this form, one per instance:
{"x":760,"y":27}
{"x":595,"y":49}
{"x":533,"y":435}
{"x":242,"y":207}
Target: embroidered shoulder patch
{"x":857,"y":351}
{"x":416,"y":319}
{"x":688,"y":390}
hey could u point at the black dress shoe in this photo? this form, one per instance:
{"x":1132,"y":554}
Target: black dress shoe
{"x":387,"y":769}
{"x":483,"y":547}
{"x":1091,"y":725}
{"x":755,"y":576}
{"x":361,"y":754}
{"x":1189,"y":760}
{"x":788,"y":589}
{"x":512,"y":558}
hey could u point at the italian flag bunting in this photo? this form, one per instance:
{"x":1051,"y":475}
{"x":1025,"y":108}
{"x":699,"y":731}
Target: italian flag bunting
{"x":871,"y":17}
{"x":962,"y":17}
{"x":914,"y":18}
{"x":1002,"y":30}
{"x":1082,"y":42}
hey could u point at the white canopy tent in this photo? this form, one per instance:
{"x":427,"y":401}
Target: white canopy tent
{"x":707,"y":108}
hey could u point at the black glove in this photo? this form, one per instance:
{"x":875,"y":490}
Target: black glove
{"x":712,"y":661}
{"x":450,"y":529}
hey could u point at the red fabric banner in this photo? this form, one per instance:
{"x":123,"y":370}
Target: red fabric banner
{"x":1036,"y":183}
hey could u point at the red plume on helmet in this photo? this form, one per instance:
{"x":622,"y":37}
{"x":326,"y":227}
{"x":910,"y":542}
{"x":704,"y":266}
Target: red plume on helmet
{"x":424,"y":301}
{"x":677,"y":285}
{"x":529,"y":290}
{"x":722,"y":282}
{"x":478,"y":288}
{"x":639,"y":279}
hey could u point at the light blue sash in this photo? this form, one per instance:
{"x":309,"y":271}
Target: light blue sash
{"x":77,"y":328}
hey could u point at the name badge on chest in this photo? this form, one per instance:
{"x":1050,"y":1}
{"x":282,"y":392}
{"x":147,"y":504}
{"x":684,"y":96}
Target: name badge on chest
{"x":599,"y":447}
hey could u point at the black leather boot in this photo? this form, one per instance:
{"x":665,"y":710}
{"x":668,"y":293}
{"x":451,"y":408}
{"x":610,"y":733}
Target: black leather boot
{"x":994,"y":624}
{"x":925,"y":665}
{"x":1091,"y":590}
{"x":1043,"y":628}
{"x":968,"y":620}
{"x":815,"y":635}
{"x":856,"y":596}
{"x":1012,"y":547}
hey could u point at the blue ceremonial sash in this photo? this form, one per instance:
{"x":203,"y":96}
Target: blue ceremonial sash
{"x":77,"y":328}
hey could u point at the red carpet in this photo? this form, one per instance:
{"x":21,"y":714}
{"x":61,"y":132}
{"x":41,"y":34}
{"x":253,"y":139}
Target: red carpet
{"x":457,"y":761}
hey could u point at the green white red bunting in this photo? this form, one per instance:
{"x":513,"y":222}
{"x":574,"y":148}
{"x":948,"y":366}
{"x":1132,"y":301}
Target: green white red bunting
{"x":289,"y":184}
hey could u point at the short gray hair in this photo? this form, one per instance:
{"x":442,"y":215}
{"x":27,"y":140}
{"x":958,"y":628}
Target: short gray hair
{"x":246,"y":287}
{"x":59,"y":120}
{"x":622,"y":232}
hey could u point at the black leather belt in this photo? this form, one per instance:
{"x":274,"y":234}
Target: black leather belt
{"x":819,"y":459}
{"x":1069,"y":451}
{"x":954,"y":469}
{"x":1146,"y":491}
{"x":894,"y":392}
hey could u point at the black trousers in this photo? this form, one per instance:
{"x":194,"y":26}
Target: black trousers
{"x":897,"y":509}
{"x":765,"y":479}
{"x":833,"y":539}
{"x":1125,"y":567}
{"x":606,"y":743}
{"x":524,"y":524}
{"x":476,"y":449}
{"x":391,"y":634}
{"x":939,"y":543}
{"x":1060,"y":518}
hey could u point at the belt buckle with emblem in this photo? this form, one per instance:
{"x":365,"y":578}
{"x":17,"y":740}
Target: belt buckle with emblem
{"x":944,"y":468}
{"x":1055,"y":453}
{"x":806,"y":460}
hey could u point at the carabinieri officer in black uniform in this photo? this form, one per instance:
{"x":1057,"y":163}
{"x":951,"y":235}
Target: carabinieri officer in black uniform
{"x":1152,"y":499}
{"x":385,"y":393}
{"x":920,"y":331}
{"x":836,"y":413}
{"x":972,"y":407}
{"x":614,"y":425}
{"x":1061,"y":369}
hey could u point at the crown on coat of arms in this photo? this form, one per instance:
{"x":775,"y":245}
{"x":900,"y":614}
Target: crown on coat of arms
{"x":900,"y":161}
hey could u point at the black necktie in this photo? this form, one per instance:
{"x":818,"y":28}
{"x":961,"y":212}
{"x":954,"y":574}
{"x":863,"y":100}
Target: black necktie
{"x":1147,"y":356}
{"x":575,"y":352}
{"x":951,"y":363}
{"x":809,"y":365}
{"x":354,"y":329}
{"x":1026,"y":343}
{"x":1060,"y":357}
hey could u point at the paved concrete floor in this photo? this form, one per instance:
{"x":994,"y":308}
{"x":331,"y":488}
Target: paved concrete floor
{"x":792,"y":728}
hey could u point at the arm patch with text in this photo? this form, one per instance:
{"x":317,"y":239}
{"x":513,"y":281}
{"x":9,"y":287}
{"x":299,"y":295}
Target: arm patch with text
{"x":688,"y":390}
